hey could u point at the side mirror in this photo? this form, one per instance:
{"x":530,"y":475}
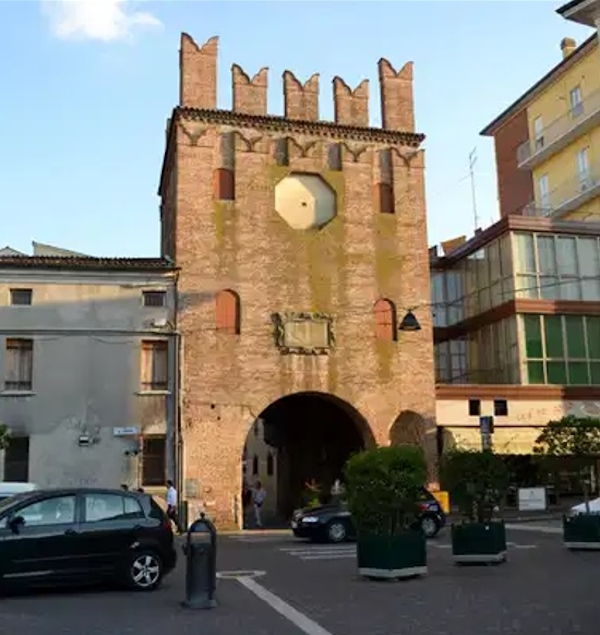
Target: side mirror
{"x":16,"y":524}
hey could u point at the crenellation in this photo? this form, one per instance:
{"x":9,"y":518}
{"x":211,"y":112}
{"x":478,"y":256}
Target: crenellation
{"x":249,"y":95}
{"x":301,"y":101}
{"x":198,"y":73}
{"x":198,"y":89}
{"x":351,"y":107}
{"x":397,"y":104}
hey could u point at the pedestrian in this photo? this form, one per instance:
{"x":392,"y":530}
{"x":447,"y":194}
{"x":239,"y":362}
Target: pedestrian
{"x":258,"y":498}
{"x":172,"y":505}
{"x":140,"y":490}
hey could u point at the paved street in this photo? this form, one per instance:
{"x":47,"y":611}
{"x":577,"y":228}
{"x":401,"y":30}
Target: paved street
{"x":542,"y":589}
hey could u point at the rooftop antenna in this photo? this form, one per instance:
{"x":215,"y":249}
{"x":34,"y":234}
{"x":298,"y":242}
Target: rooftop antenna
{"x":472,"y":162}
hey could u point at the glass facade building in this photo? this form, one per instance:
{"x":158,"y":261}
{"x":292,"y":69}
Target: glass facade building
{"x":525,"y":345}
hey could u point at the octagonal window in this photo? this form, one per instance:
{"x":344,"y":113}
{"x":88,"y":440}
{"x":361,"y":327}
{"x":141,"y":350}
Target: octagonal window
{"x":305,"y":201}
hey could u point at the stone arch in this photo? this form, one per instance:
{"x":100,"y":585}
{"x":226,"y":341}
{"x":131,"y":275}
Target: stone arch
{"x":227,"y":312}
{"x":306,"y":435}
{"x":385,"y":320}
{"x":409,"y":427}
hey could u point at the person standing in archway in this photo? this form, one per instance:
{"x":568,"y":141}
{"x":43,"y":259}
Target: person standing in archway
{"x":258,"y":498}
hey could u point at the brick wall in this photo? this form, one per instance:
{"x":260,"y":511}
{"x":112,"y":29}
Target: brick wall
{"x":341,"y":269}
{"x":515,"y":186}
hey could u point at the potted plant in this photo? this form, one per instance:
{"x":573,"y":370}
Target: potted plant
{"x":4,"y":436}
{"x":477,"y":481}
{"x":383,"y":487}
{"x":574,"y":441}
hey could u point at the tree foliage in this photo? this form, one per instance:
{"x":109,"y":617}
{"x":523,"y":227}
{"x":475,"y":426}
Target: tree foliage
{"x":383,"y":488}
{"x":4,"y":436}
{"x":574,"y":437}
{"x":477,"y":481}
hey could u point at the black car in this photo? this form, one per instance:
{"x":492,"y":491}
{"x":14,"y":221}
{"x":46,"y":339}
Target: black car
{"x":84,"y":535}
{"x":333,"y":522}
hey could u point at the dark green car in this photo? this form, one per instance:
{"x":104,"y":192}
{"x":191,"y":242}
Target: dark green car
{"x":83,"y":535}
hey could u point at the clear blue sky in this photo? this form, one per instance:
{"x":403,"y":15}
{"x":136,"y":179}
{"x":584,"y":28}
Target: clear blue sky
{"x":87,"y":87}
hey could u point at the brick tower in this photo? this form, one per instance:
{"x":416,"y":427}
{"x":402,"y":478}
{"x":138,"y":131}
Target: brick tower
{"x":316,"y":233}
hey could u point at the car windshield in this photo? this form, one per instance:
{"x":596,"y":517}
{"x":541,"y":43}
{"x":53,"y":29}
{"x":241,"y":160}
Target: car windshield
{"x":5,"y":503}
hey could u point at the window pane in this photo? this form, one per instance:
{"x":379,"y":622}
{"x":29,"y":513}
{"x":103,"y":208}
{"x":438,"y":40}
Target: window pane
{"x":557,"y":372}
{"x":535,"y":372}
{"x":595,"y":373}
{"x":526,"y":287}
{"x":533,"y":336}
{"x":525,"y":256}
{"x":546,"y":254}
{"x":578,"y":373}
{"x":549,"y":288}
{"x":105,"y":507}
{"x":593,"y":336}
{"x":553,"y":336}
{"x":51,"y":511}
{"x":570,"y":289}
{"x":567,"y":256}
{"x":575,"y":336}
{"x":589,"y":266}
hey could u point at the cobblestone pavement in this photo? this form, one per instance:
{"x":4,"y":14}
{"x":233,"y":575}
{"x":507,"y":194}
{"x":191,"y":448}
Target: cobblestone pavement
{"x":542,"y":589}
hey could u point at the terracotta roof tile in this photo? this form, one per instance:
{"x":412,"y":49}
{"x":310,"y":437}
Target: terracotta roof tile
{"x":320,"y":128}
{"x":85,"y":262}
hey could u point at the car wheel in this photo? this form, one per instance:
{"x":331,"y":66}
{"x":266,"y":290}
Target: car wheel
{"x":429,"y":526}
{"x":336,"y":532}
{"x":145,"y":571}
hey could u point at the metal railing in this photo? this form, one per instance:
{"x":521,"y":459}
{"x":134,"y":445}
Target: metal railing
{"x":568,"y":196}
{"x":560,"y":127}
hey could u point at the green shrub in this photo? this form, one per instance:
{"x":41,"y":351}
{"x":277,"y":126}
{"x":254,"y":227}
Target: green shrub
{"x":4,"y":436}
{"x":477,"y":481}
{"x":383,"y":487}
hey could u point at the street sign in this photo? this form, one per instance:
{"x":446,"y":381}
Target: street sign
{"x":129,"y":431}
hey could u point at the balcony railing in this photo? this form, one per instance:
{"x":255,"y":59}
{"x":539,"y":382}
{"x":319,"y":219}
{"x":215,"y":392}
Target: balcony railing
{"x":560,"y":132}
{"x":568,"y":196}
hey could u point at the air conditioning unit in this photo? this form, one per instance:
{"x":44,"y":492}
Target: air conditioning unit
{"x":160,"y":323}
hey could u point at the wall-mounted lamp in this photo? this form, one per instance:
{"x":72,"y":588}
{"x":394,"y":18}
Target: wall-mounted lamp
{"x":85,"y":440}
{"x":409,"y":323}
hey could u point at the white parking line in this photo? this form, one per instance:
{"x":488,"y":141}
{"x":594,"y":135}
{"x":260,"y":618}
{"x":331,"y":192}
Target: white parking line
{"x":342,"y":552}
{"x":541,"y":529}
{"x":303,"y":622}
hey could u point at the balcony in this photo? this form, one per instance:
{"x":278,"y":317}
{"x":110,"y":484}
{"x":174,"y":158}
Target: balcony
{"x":568,"y":196}
{"x":561,"y":132}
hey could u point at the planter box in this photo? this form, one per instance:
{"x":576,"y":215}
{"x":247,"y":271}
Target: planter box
{"x":582,"y":531}
{"x":479,"y":542}
{"x":392,"y":557}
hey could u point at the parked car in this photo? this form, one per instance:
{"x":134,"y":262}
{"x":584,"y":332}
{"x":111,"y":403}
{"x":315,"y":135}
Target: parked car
{"x":12,"y":489}
{"x":82,"y":535}
{"x":333,"y":522}
{"x":593,"y":504}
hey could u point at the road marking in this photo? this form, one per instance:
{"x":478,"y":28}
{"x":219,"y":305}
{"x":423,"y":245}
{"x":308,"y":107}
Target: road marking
{"x":303,"y":622}
{"x":542,"y":529}
{"x":234,"y":575}
{"x":341,"y":552}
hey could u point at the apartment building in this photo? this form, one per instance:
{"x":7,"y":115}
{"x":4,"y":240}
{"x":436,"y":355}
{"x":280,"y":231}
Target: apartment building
{"x":548,"y":141}
{"x":87,"y":355}
{"x":516,"y":329}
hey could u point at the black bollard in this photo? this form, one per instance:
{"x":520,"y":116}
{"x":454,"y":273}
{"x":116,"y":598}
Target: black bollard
{"x":200,"y":551}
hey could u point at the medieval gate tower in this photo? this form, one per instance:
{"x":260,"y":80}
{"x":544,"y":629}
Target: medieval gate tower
{"x":316,"y":233}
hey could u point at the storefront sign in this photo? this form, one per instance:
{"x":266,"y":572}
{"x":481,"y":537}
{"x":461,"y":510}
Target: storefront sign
{"x":532,"y":498}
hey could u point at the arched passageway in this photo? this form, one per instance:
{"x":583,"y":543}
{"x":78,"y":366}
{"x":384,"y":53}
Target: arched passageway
{"x":299,"y":438}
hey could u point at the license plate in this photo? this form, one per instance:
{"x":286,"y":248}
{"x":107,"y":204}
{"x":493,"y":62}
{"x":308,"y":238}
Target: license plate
{"x":294,"y":524}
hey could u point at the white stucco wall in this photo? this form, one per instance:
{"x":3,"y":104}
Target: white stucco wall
{"x":514,"y":434}
{"x":87,"y":330}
